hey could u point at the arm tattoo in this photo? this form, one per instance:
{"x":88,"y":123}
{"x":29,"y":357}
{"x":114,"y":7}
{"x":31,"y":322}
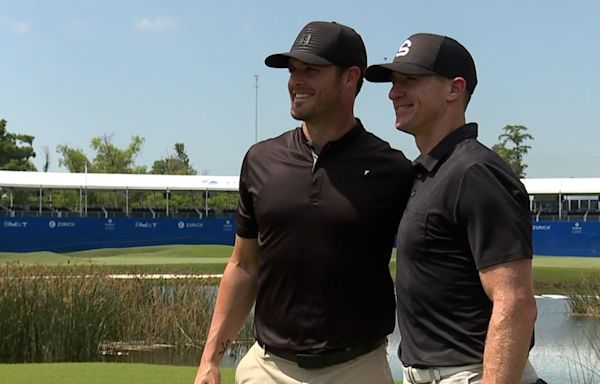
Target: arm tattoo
{"x":224,"y":346}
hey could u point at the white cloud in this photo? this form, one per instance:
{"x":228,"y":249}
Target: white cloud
{"x":18,"y":26}
{"x":15,"y":26}
{"x":158,"y":24}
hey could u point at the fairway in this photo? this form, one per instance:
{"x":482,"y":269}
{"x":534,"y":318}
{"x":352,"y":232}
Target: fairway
{"x":552,"y":274}
{"x":566,"y":262}
{"x":153,"y":255}
{"x":205,"y":254}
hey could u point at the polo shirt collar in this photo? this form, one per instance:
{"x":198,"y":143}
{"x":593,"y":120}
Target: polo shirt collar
{"x":447,"y":145}
{"x":356,"y":131}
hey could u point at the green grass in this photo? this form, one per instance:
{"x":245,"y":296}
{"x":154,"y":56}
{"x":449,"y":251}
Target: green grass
{"x":567,"y":262}
{"x":171,"y":254}
{"x":157,"y":259}
{"x":551,"y":274}
{"x":564,"y":275}
{"x":103,"y":373}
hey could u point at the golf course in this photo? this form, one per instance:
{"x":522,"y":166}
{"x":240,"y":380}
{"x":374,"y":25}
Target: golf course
{"x":79,"y":298}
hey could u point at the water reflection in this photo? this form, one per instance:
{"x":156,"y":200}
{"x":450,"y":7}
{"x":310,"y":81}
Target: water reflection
{"x":564,"y":351}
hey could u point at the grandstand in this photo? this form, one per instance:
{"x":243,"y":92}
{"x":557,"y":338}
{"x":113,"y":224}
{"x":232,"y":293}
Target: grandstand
{"x":76,"y":211}
{"x":117,"y":210}
{"x":564,"y":199}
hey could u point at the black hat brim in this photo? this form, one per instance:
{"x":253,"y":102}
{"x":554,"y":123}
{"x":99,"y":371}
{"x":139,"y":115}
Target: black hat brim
{"x":280,"y":60}
{"x":382,"y":73}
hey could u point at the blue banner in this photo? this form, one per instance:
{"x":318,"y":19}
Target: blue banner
{"x":566,"y":238}
{"x":29,"y":234}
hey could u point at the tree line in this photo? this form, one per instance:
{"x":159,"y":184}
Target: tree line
{"x":16,"y":153}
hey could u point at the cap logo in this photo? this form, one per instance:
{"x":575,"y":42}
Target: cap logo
{"x":404,"y":48}
{"x":305,"y":39}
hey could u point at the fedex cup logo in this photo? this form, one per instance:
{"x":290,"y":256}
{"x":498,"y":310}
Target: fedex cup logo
{"x":404,"y":48}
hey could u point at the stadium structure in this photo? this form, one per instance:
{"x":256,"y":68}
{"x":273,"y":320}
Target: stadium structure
{"x":565,"y":212}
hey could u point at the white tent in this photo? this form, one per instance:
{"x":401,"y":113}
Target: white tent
{"x":113,"y":181}
{"x":83,"y":182}
{"x":562,"y":186}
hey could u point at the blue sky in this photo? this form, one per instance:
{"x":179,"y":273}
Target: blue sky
{"x":184,"y":71}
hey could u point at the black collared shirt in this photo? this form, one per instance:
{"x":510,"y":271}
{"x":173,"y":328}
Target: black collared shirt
{"x":325,"y":231}
{"x":467,"y":211}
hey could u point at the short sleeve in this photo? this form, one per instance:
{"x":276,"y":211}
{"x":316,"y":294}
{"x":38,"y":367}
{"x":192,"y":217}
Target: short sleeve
{"x":492,"y":208}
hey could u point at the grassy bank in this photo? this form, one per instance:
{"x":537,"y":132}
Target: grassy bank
{"x":50,"y":314}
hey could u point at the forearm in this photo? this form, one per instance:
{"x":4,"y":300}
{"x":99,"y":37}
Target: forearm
{"x":508,"y":340}
{"x":237,"y":293}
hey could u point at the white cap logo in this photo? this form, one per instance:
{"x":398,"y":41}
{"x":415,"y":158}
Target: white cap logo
{"x":404,"y":48}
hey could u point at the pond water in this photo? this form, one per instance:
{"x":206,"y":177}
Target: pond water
{"x":567,"y":348}
{"x":562,"y":345}
{"x":564,"y":348}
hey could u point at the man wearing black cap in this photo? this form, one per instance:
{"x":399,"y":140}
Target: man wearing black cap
{"x":466,"y":308}
{"x":319,"y":206}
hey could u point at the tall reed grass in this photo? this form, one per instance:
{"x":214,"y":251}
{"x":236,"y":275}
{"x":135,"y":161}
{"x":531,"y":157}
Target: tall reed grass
{"x":585,"y":301}
{"x":50,"y":315}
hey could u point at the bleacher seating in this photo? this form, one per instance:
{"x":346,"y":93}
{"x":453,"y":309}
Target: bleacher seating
{"x":196,"y":213}
{"x":229,"y":212}
{"x":141,"y":212}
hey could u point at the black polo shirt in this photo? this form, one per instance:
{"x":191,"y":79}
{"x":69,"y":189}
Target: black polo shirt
{"x":325,"y":232}
{"x":467,"y":211}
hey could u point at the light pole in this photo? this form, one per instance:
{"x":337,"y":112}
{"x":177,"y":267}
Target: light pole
{"x":255,"y":108}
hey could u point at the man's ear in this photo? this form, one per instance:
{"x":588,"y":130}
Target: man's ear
{"x":458,"y":87}
{"x":353,"y":74}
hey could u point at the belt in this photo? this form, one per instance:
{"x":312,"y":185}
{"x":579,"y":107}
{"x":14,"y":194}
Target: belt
{"x":322,"y":359}
{"x":433,"y":374}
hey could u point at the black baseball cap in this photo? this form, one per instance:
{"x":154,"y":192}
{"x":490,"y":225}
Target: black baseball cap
{"x":324,"y":43}
{"x":428,"y":54}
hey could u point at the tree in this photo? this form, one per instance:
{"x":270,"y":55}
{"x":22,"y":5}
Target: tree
{"x":110,"y":159}
{"x":178,"y":164}
{"x":73,"y":159}
{"x":16,"y":150}
{"x":47,"y":159}
{"x":513,"y":148}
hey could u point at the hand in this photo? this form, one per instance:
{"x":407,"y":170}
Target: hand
{"x":208,"y":374}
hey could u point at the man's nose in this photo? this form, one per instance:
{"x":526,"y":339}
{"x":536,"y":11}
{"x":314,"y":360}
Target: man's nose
{"x":395,"y":92}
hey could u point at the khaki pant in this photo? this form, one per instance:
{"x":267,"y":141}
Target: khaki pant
{"x":260,"y":367}
{"x":472,"y":375}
